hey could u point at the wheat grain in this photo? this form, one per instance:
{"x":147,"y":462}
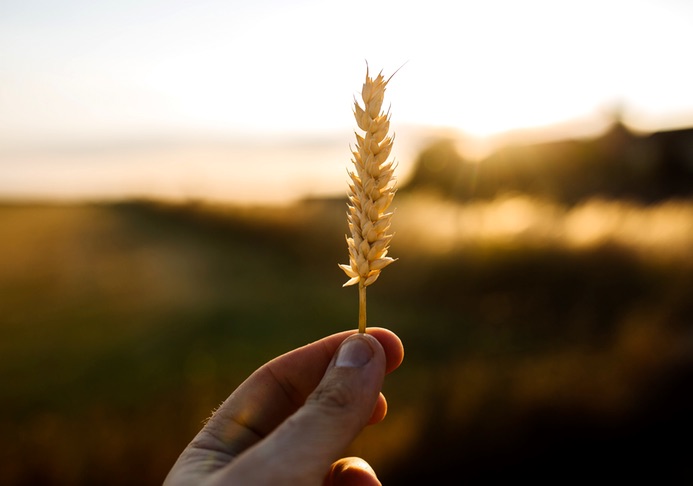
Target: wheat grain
{"x":371,"y":191}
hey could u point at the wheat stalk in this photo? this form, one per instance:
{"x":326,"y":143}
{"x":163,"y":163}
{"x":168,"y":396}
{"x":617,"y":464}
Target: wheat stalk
{"x":371,"y":191}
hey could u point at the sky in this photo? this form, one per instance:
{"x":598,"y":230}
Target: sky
{"x":82,"y":73}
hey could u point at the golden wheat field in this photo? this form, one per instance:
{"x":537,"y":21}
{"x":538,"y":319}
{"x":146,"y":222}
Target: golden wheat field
{"x":532,"y":347}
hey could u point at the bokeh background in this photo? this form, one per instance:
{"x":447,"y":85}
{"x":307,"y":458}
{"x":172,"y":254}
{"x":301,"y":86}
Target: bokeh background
{"x":172,"y":186}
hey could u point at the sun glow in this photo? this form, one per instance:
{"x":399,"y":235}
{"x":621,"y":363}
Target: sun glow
{"x":153,"y":70}
{"x":483,"y":67}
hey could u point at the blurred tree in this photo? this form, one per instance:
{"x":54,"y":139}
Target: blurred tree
{"x":618,"y":164}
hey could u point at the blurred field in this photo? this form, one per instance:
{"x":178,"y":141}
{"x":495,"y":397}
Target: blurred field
{"x":542,"y":341}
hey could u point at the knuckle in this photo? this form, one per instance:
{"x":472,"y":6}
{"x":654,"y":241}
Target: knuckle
{"x":334,"y":396}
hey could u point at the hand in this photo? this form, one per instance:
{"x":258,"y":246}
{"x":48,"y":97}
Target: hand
{"x":290,"y":421}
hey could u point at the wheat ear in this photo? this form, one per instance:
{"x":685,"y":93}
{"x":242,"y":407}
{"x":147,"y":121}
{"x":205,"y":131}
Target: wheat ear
{"x":371,"y":191}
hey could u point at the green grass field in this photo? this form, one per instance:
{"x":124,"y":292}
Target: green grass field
{"x":529,"y":352}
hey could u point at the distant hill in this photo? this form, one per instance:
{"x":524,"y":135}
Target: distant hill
{"x":618,"y":164}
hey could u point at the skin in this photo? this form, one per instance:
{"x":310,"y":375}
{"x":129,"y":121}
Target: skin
{"x":291,"y":420}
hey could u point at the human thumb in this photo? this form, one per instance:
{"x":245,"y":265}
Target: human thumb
{"x":302,"y":449}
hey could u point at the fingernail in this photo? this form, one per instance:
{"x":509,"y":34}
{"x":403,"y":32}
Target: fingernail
{"x":355,"y":352}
